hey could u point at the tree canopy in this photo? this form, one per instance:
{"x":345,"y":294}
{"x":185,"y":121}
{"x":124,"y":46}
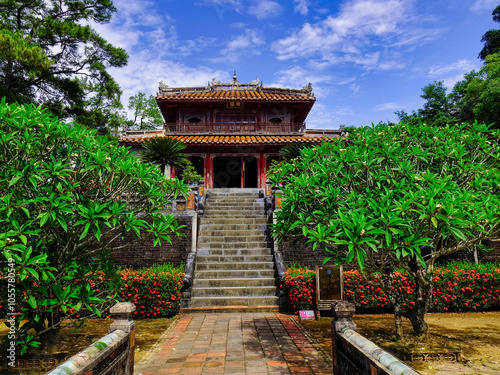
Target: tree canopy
{"x":392,"y":197}
{"x":66,"y":196}
{"x":146,"y":112}
{"x":51,"y":56}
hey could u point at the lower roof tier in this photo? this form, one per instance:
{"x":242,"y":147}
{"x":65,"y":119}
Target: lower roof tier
{"x":198,"y":140}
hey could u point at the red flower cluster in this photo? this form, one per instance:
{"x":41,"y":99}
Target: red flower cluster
{"x":155,"y":295}
{"x":300,"y":288}
{"x":457,"y":287}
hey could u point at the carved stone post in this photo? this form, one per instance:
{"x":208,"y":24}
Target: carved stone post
{"x":342,"y":318}
{"x":122,"y":315}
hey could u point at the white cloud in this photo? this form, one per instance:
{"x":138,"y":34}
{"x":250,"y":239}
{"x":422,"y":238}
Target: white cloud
{"x":450,"y":74}
{"x":327,"y":117}
{"x":363,"y":32}
{"x":479,"y":6}
{"x":247,"y":44}
{"x":463,"y":66}
{"x":263,"y":9}
{"x":301,"y":6}
{"x":390,"y":106}
{"x":298,"y":76}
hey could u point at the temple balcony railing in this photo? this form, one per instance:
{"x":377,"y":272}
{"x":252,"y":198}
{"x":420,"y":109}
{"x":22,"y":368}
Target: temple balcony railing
{"x":238,"y":127}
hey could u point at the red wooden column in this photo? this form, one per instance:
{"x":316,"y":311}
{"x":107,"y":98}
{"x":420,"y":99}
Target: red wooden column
{"x":209,"y":170}
{"x":262,"y":170}
{"x":242,"y":172}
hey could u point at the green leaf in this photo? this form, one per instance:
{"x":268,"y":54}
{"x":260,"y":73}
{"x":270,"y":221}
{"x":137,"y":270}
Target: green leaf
{"x":32,"y":302}
{"x":434,"y":221}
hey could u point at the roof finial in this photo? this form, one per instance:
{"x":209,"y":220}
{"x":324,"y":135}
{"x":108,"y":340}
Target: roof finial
{"x":235,"y":78}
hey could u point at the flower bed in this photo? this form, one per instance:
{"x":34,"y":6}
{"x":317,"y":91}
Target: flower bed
{"x":458,"y":287}
{"x":155,"y":292}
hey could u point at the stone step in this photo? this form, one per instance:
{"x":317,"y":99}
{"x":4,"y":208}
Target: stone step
{"x":233,"y":258}
{"x":230,"y":309}
{"x":222,"y":283}
{"x":230,"y":226}
{"x":233,"y":274}
{"x":226,"y":252}
{"x":235,"y":215}
{"x":233,"y":246}
{"x":234,"y":191}
{"x":234,"y":266}
{"x":231,"y":239}
{"x":234,"y":301}
{"x":236,"y":202}
{"x":241,"y":291}
{"x":226,"y":233}
{"x":233,"y":221}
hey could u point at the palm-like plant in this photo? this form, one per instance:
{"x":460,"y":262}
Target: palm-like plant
{"x":164,"y":152}
{"x":292,"y":151}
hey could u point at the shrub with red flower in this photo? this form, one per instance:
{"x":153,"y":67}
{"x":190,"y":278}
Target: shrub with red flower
{"x":458,"y":287}
{"x":300,"y":288}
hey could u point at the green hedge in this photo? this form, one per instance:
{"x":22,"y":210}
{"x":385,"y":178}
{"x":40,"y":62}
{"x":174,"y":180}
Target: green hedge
{"x":458,"y":287}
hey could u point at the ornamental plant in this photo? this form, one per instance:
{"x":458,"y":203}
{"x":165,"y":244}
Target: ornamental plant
{"x":300,"y":288}
{"x":394,"y":197}
{"x":66,"y":196}
{"x":155,"y":292}
{"x":458,"y":287}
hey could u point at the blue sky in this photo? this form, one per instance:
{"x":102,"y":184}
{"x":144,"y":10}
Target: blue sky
{"x":364,"y":58}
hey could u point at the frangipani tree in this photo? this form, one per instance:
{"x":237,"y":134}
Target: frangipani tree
{"x":392,"y":197}
{"x":66,"y":197}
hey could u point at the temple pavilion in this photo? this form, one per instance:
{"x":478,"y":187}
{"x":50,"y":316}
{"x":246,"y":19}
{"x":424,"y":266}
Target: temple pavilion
{"x":233,"y":131}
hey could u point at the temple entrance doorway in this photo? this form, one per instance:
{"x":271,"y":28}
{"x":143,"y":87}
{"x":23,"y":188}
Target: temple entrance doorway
{"x":235,"y":172}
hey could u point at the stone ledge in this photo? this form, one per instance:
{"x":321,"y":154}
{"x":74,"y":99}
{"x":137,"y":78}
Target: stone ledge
{"x":229,"y":309}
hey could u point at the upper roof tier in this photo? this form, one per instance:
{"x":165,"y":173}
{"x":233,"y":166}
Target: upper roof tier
{"x":248,"y":92}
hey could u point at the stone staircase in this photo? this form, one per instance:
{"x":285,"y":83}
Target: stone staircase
{"x":234,"y":263}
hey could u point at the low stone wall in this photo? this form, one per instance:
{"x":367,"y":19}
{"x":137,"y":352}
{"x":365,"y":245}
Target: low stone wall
{"x":111,"y":355}
{"x":144,"y":254}
{"x":355,"y":355}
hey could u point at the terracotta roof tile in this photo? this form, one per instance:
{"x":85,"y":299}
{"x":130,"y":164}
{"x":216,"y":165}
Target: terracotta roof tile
{"x":234,"y":94}
{"x":192,"y":140}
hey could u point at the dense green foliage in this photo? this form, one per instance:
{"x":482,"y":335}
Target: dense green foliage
{"x":394,"y":196}
{"x":146,"y":112}
{"x":458,"y":287}
{"x":491,"y":38}
{"x":50,"y":55}
{"x":66,"y":196}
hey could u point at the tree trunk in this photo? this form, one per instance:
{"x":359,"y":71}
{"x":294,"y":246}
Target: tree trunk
{"x":423,"y":295}
{"x":395,"y":301}
{"x":398,"y":321}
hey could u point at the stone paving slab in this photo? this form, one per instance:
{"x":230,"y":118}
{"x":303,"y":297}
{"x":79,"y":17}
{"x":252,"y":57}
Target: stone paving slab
{"x":233,"y":343}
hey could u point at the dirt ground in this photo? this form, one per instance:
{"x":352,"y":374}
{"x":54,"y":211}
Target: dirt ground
{"x":477,"y":334}
{"x":72,"y":341}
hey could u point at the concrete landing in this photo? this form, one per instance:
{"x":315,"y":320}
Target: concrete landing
{"x":234,"y":343}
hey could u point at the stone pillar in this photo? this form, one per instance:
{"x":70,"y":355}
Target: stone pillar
{"x":342,"y":318}
{"x":201,"y":197}
{"x":122,"y":315}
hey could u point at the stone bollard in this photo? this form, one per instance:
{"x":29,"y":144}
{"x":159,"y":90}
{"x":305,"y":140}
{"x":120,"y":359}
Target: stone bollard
{"x":122,"y":315}
{"x":342,"y":318}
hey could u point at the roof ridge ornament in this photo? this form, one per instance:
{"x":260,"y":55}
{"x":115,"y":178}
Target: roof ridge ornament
{"x":308,"y":88}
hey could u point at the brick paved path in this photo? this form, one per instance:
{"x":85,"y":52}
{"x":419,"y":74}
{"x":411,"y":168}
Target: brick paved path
{"x":233,"y":343}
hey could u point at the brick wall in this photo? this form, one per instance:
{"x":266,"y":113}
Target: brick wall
{"x":144,"y":254}
{"x":302,"y":254}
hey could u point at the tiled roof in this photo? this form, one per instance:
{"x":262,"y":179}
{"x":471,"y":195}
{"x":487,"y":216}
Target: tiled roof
{"x":237,"y":95}
{"x":192,"y":140}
